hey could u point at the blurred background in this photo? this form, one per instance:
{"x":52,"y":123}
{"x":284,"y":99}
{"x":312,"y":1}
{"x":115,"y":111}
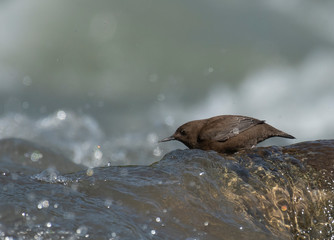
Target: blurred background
{"x":102,"y":81}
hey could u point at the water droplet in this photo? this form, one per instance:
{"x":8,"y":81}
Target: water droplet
{"x":206,"y":223}
{"x":46,"y":204}
{"x":27,"y":81}
{"x":108,"y":203}
{"x":153,"y":232}
{"x":48,"y":224}
{"x":98,"y":154}
{"x":157,"y":151}
{"x":158,"y":219}
{"x":284,"y":208}
{"x":82,"y":230}
{"x":152,"y":138}
{"x":35,"y":156}
{"x":43,"y":204}
{"x":61,"y":115}
{"x":90,"y":172}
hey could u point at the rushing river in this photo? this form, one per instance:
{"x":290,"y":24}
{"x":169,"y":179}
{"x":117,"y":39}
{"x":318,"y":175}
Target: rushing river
{"x":87,"y":88}
{"x":264,"y":193}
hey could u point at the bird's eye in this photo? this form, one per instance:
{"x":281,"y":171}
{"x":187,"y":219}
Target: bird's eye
{"x":183,"y":132}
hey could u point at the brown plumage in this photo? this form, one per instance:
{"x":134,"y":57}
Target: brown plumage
{"x":225,"y":133}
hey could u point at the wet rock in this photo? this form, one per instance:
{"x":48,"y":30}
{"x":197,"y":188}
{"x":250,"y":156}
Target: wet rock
{"x":261,"y":193}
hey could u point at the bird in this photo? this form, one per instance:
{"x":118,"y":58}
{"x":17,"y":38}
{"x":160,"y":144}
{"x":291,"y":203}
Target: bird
{"x":225,"y":133}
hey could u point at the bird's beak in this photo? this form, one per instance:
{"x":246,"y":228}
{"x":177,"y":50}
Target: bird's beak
{"x":168,"y":139}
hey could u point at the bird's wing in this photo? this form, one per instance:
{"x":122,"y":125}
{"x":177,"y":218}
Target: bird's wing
{"x":221,"y":129}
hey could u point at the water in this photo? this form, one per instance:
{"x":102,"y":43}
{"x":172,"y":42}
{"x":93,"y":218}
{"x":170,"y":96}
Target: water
{"x":87,"y":89}
{"x":189,"y":194}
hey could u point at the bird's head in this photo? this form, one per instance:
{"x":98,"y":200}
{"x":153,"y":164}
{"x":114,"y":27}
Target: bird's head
{"x":187,"y":134}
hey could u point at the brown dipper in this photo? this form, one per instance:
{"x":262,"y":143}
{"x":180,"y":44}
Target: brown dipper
{"x":225,"y":133}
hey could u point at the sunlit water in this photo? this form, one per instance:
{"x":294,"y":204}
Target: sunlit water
{"x":264,"y":193}
{"x":88,"y":89}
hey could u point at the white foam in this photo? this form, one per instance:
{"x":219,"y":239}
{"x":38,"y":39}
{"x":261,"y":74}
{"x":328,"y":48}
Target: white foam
{"x":298,"y":100}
